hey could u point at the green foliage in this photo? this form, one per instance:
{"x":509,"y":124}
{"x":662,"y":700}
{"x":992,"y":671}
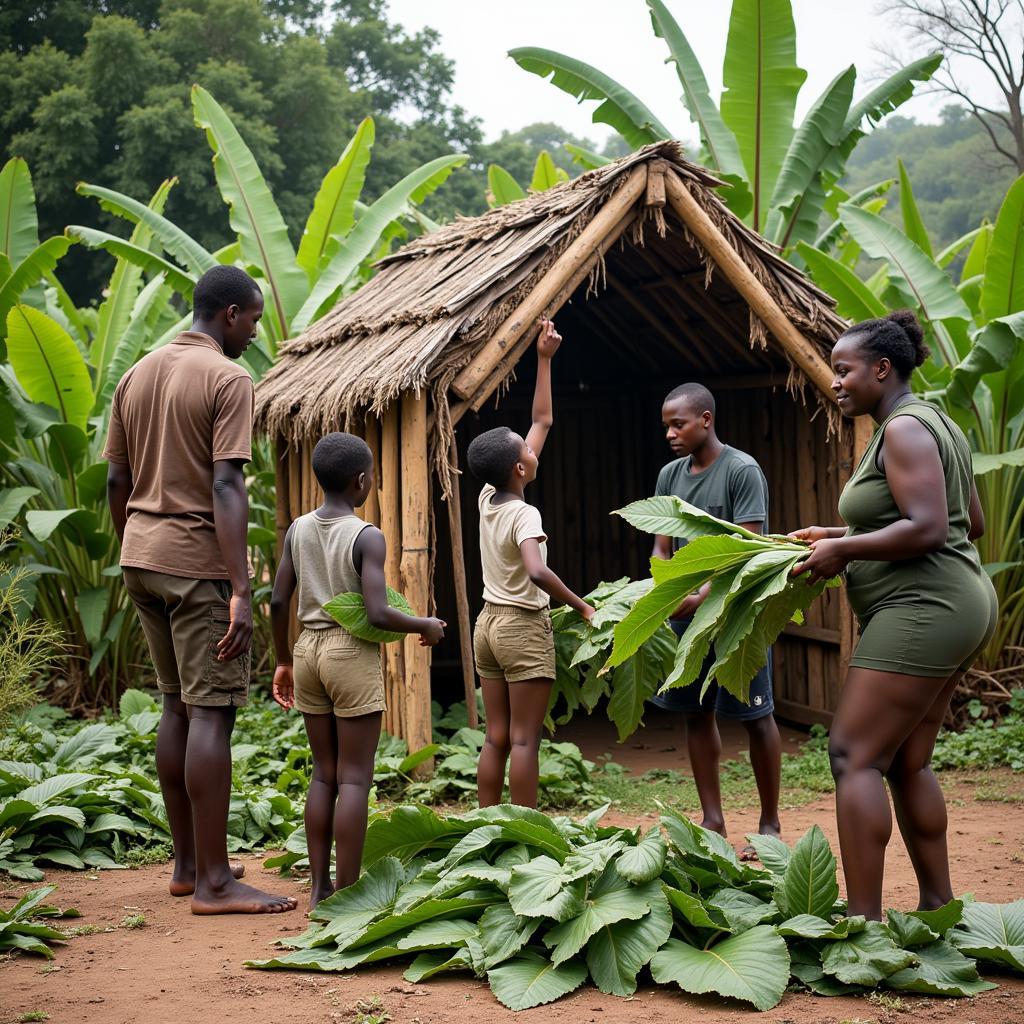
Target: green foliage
{"x":349,"y":610}
{"x":538,"y":905}
{"x":502,"y":188}
{"x":22,"y":930}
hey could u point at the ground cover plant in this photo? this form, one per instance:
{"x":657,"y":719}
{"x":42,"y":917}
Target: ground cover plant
{"x":22,"y":928}
{"x":538,"y":905}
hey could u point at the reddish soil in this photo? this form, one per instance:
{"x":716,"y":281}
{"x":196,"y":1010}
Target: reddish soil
{"x":178,"y":968}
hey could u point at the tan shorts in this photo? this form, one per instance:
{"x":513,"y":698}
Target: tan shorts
{"x":335,"y":671}
{"x":513,"y":643}
{"x":184,"y":619}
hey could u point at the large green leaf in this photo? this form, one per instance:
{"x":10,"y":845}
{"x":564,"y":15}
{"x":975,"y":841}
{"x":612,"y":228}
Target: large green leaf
{"x":56,"y":785}
{"x":333,"y":212}
{"x":532,"y":980}
{"x":993,"y":348}
{"x":504,"y":933}
{"x":807,"y":926}
{"x":866,"y":957}
{"x":989,"y":463}
{"x":617,"y":952}
{"x":29,"y":271}
{"x":643,"y":862}
{"x":809,"y":885}
{"x":920,"y":282}
{"x":942,"y":970}
{"x":541,"y":888}
{"x":502,"y":187}
{"x":586,"y":158}
{"x":349,"y":610}
{"x":854,"y":300}
{"x":619,"y":108}
{"x":405,"y":833}
{"x":761,"y":81}
{"x":175,"y":242}
{"x":772,"y":852}
{"x":671,"y":516}
{"x":545,"y":174}
{"x":19,"y":228}
{"x":636,"y":681}
{"x":892,"y":92}
{"x":254,"y":215}
{"x":1003,"y":289}
{"x":12,"y":501}
{"x":992,"y":932}
{"x":753,"y":967}
{"x":813,"y":163}
{"x":718,"y":140}
{"x":363,"y":238}
{"x":182,"y":282}
{"x":913,"y":225}
{"x":48,"y":364}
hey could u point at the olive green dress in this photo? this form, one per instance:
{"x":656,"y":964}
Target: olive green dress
{"x":924,"y":616}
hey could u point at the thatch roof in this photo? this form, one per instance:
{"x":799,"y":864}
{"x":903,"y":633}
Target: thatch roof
{"x":435,"y":302}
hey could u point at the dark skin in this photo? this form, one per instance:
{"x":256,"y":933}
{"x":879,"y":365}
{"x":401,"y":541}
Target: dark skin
{"x":194,"y":743}
{"x":515,"y":712}
{"x":886,"y":723}
{"x":691,"y":431}
{"x":343,"y":749}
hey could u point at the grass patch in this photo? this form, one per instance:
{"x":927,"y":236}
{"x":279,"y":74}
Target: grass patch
{"x":33,"y":1015}
{"x":371,"y":1011}
{"x":133,"y":921}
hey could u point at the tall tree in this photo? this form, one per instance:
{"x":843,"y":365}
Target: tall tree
{"x":976,"y":33}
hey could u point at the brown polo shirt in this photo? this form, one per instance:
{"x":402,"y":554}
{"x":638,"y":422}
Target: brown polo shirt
{"x":174,"y":413}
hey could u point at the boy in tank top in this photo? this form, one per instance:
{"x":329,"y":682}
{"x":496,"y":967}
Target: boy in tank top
{"x":331,"y":676}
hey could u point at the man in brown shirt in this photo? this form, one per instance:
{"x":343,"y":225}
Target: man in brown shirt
{"x":180,"y":434}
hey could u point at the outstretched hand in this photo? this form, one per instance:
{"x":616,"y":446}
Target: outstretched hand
{"x":548,"y":339}
{"x":432,"y":633}
{"x":828,"y":558}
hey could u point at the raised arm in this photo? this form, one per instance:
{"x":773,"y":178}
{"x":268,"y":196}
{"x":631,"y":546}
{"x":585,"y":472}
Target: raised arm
{"x":231,"y":522}
{"x":369,"y":554}
{"x":548,"y":341}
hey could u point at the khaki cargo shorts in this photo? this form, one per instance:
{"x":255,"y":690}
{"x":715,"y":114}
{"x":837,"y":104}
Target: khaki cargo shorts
{"x":184,"y":620}
{"x":514,"y":644}
{"x":335,"y":671}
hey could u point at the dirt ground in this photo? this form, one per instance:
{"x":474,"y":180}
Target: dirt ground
{"x":177,"y":968}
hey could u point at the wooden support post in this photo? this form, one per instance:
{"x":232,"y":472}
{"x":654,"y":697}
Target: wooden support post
{"x":371,"y":435}
{"x":803,"y":353}
{"x":416,"y":564}
{"x":655,"y":184}
{"x":285,"y":501}
{"x":461,"y":586}
{"x":389,"y":494}
{"x":521,"y":320}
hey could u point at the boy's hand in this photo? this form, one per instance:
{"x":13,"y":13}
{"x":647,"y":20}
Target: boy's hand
{"x":588,"y":612}
{"x":433,"y":633}
{"x":283,"y":688}
{"x":548,"y":339}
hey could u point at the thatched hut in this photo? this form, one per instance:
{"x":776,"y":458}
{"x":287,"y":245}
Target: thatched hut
{"x":654,"y":282}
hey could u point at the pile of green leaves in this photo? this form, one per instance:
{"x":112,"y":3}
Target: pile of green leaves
{"x":628,"y":651}
{"x":537,"y":905}
{"x":21,"y":929}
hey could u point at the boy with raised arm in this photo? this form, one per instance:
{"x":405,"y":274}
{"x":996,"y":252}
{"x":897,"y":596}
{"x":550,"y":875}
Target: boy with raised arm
{"x":513,"y":645}
{"x":728,"y":484}
{"x":331,"y":676}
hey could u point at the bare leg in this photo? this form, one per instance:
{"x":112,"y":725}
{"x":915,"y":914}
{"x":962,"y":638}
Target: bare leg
{"x":357,"y":747}
{"x":921,"y":807}
{"x":319,"y":813}
{"x":528,"y":701}
{"x":704,"y":745}
{"x":766,"y":760}
{"x":490,"y":772}
{"x":171,"y":744}
{"x":208,"y":780}
{"x":877,"y":712}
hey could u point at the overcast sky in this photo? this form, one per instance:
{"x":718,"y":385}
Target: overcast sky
{"x":616,"y":36}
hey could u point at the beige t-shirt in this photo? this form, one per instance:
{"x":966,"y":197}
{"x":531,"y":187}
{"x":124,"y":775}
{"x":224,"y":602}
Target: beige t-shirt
{"x":174,"y":413}
{"x":502,"y":529}
{"x":322,"y":556}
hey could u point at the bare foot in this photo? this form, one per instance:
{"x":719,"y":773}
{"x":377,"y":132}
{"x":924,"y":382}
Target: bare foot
{"x":236,"y":898}
{"x":186,"y":885}
{"x":318,"y":896}
{"x":714,"y":826}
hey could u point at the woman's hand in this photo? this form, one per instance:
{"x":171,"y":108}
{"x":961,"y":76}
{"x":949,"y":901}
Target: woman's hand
{"x":828,"y":558}
{"x":283,"y":688}
{"x":810,"y":533}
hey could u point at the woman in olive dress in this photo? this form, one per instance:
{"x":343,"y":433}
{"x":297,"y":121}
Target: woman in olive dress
{"x":925,"y":607}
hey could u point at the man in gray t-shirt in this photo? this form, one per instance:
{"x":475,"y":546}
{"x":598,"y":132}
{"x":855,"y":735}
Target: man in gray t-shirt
{"x":728,"y":484}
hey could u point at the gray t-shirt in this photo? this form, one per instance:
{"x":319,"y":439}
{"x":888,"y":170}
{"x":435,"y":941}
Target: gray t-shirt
{"x":731,"y":488}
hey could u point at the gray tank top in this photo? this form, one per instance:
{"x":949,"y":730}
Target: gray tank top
{"x":322,"y":556}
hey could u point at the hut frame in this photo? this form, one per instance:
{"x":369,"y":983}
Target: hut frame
{"x":394,"y":348}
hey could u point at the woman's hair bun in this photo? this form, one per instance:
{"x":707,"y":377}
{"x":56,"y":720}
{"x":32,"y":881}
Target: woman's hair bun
{"x":907,"y":319}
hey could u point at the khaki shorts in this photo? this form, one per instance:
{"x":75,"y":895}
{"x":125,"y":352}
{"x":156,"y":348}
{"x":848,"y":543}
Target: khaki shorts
{"x":335,"y":671}
{"x":513,"y":643}
{"x":184,"y":619}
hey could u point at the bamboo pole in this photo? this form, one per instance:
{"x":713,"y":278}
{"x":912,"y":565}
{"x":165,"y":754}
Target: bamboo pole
{"x":718,"y":249}
{"x":416,"y":565}
{"x":461,"y":586}
{"x":389,"y":493}
{"x":522,"y":318}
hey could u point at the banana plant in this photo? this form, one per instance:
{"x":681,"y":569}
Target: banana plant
{"x":778,"y":177}
{"x":502,"y":188}
{"x":974,"y":319}
{"x":339,"y":236}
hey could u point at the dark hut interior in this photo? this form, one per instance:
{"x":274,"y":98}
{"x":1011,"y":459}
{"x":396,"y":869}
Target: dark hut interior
{"x":651,"y":326}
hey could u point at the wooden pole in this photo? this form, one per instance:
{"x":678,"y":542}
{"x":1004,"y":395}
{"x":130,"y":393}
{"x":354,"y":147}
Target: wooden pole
{"x":416,"y":564}
{"x":371,"y":434}
{"x":521,"y":320}
{"x":803,"y":353}
{"x":389,"y":493}
{"x":461,"y":586}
